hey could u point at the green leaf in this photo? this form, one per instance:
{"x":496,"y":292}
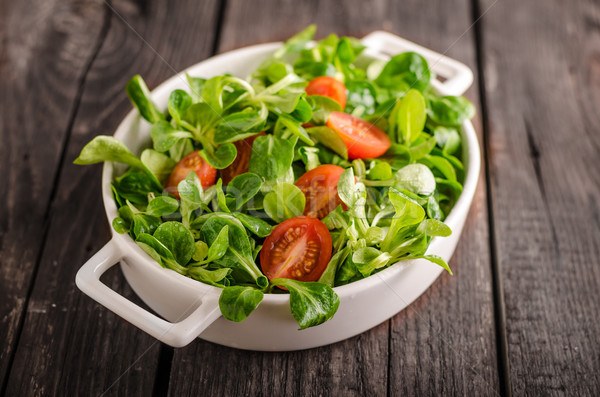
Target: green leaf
{"x":191,"y":194}
{"x":221,"y":197}
{"x":303,"y":111}
{"x":238,"y":126}
{"x":310,"y":157}
{"x":286,"y":123}
{"x":422,"y":149}
{"x":159,"y":252}
{"x":360,"y":98}
{"x":297,"y":42}
{"x":239,"y":254}
{"x":285,"y":102}
{"x":285,"y":202}
{"x":322,"y":106}
{"x":368,"y":259}
{"x":177,"y":104}
{"x":408,"y":213}
{"x":375,"y":235}
{"x":196,"y":84}
{"x":162,"y":206}
{"x":220,"y":158}
{"x":433,"y":227}
{"x":434,"y":259}
{"x":120,"y":225}
{"x":416,"y":178}
{"x":433,"y":208}
{"x":106,"y":148}
{"x":200,"y":251}
{"x":347,"y":189}
{"x":237,"y":302}
{"x":379,"y":171}
{"x":256,"y":225}
{"x":311,"y":303}
{"x":140,"y":96}
{"x":241,"y":189}
{"x":447,"y":138}
{"x":219,"y":246}
{"x":165,"y":136}
{"x":406,"y":70}
{"x":344,"y":51}
{"x":408,"y":117}
{"x":201,"y":117}
{"x":328,"y":276}
{"x":178,"y":239}
{"x":441,"y":164}
{"x":330,"y":139}
{"x":135,"y":187}
{"x":212,"y":277}
{"x":159,"y":164}
{"x":271,"y":156}
{"x":450,"y":110}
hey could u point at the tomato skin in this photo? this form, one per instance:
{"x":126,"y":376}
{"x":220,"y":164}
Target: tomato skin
{"x":363,"y":139}
{"x":298,"y":248}
{"x":192,"y":162}
{"x":242,"y":160}
{"x":319,"y":186}
{"x":329,"y":87}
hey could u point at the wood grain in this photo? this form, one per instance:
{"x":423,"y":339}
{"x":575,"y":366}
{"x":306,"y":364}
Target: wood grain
{"x":70,"y":345}
{"x":542,"y":94}
{"x":44,"y":53}
{"x":445,"y":342}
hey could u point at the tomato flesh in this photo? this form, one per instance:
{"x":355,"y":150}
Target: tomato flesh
{"x":329,"y":87}
{"x":319,"y":186}
{"x":298,"y":248}
{"x":242,"y":160}
{"x":192,"y":162}
{"x":363,"y":139}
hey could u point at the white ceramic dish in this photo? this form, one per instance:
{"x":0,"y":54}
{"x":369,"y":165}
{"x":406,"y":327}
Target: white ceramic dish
{"x":190,"y":308}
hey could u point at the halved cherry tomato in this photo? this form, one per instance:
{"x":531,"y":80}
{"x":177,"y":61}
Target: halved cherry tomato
{"x":329,"y":87}
{"x":363,"y":139}
{"x":298,"y":248}
{"x":192,"y":162}
{"x":240,"y":164}
{"x":319,"y":185}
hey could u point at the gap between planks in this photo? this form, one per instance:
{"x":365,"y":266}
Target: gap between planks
{"x":497,"y":288}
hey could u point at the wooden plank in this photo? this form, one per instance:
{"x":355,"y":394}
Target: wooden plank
{"x":541,"y":78}
{"x":45,"y":47}
{"x":416,"y":356}
{"x":445,"y":343}
{"x":70,"y":345}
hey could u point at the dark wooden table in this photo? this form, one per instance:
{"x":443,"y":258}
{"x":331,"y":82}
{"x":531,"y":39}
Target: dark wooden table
{"x":522,"y":313}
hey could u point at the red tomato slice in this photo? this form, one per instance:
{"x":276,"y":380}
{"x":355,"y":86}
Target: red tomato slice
{"x":298,"y":248}
{"x":329,"y":87}
{"x":242,"y":160}
{"x":363,"y":139}
{"x":319,"y":186}
{"x":192,"y":162}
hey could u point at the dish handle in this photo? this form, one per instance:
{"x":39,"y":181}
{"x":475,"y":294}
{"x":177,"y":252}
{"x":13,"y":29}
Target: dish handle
{"x":457,"y":76}
{"x":177,"y":334}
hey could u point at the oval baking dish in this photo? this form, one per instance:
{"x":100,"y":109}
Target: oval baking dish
{"x":189,"y":308}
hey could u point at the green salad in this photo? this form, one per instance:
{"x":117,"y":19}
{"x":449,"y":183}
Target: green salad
{"x":322,"y":168}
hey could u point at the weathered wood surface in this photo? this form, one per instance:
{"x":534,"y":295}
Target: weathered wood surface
{"x":442,"y":344}
{"x":69,"y":345}
{"x":542,"y":93}
{"x":44,"y":51}
{"x":63,"y":66}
